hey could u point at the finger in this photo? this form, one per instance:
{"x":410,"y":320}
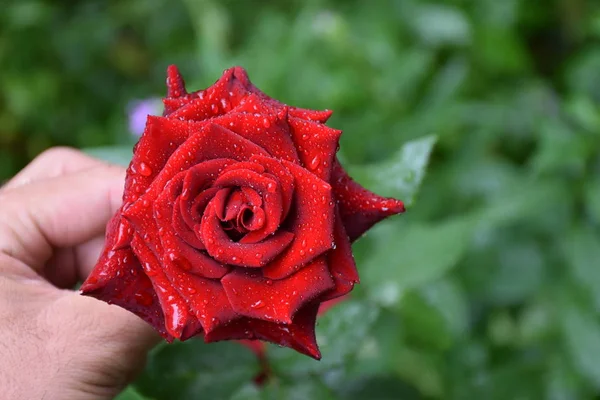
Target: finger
{"x":59,"y":212}
{"x":67,"y":266}
{"x":54,"y":162}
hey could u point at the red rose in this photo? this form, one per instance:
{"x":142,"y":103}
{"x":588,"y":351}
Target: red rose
{"x":237,"y":219}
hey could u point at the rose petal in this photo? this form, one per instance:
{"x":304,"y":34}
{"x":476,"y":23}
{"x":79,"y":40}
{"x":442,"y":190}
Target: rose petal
{"x":269,"y":131}
{"x":312,"y":224}
{"x":341,"y":262}
{"x":313,"y":115}
{"x":252,"y":219}
{"x":253,"y":296}
{"x":160,"y":133}
{"x":272,"y":196}
{"x":167,"y":205}
{"x":284,"y":177}
{"x":208,"y":143}
{"x":220,"y":246}
{"x":175,"y":82}
{"x":299,"y":335}
{"x":221,"y":97}
{"x":176,"y":312}
{"x":118,"y":279}
{"x":173,"y":247}
{"x":360,"y":208}
{"x":205,"y":298}
{"x":316,"y":144}
{"x":252,"y":196}
{"x":196,"y":191}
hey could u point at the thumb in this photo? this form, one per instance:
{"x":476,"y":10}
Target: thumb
{"x":59,"y":212}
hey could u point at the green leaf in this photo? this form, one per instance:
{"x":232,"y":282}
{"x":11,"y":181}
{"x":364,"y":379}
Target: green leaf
{"x":405,"y":257}
{"x":130,"y":393}
{"x":425,"y":326}
{"x":400,"y":175}
{"x":581,"y":330}
{"x":276,"y":389}
{"x":310,"y":388}
{"x":120,"y":155}
{"x":435,"y":315}
{"x":194,"y":369}
{"x":422,"y":370}
{"x":581,"y":249}
{"x":592,"y":198}
{"x":339,"y":334}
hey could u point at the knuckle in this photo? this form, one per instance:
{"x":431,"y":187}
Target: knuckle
{"x":59,"y":152}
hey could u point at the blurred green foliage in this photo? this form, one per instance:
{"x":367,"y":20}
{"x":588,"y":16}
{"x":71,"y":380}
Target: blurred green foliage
{"x":488,"y":287}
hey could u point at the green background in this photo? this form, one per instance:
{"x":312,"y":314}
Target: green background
{"x":488,"y":287}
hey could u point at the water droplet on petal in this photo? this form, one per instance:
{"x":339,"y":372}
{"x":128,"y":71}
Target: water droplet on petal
{"x":185,"y":194}
{"x":145,"y":170}
{"x":266,"y":123}
{"x":314,"y":163}
{"x":258,"y":304}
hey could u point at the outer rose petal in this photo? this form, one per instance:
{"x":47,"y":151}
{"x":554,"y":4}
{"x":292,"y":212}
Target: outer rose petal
{"x":126,"y":285}
{"x":341,"y":262}
{"x":118,"y":279}
{"x":317,"y":145}
{"x":160,"y":133}
{"x":312,"y":225}
{"x":269,"y":131}
{"x":253,"y":296}
{"x":177,"y":316}
{"x":360,"y":208}
{"x":221,"y":97}
{"x":299,"y":335}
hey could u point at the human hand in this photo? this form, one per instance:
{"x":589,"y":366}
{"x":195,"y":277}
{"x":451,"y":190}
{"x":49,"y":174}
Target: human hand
{"x":54,"y":343}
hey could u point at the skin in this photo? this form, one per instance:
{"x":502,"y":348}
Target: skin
{"x":55,"y":343}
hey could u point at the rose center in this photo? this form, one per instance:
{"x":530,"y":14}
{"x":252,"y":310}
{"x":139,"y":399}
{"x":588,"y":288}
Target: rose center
{"x":240,"y":215}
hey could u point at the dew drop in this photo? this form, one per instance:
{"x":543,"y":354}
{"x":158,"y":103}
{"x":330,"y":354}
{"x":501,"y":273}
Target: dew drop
{"x":185,"y":195}
{"x":266,"y":123}
{"x":269,"y":282}
{"x":145,"y":170}
{"x":224,"y":104}
{"x":214,"y":108}
{"x":205,"y":301}
{"x":191,"y":290}
{"x":145,"y":202}
{"x":314,"y":163}
{"x":258,"y":304}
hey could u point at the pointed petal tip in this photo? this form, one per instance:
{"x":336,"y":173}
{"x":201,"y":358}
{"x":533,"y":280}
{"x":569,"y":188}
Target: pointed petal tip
{"x":175,"y":82}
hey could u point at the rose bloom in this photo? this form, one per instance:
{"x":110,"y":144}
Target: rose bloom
{"x":237,"y":219}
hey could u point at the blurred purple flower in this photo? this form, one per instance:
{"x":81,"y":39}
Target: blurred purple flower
{"x":139,"y":110}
